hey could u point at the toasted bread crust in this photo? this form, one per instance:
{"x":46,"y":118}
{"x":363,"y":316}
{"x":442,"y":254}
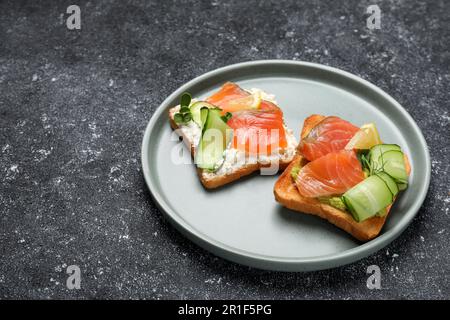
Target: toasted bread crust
{"x":220,"y":180}
{"x":287,"y":194}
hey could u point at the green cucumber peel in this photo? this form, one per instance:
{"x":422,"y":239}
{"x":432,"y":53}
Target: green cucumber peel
{"x":196,"y":110}
{"x":216,"y":135}
{"x":368,"y":198}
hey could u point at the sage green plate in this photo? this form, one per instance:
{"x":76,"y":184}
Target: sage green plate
{"x":241,"y":221}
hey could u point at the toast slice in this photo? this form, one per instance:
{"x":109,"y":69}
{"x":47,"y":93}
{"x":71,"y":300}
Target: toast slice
{"x":286,"y":193}
{"x":211,"y":180}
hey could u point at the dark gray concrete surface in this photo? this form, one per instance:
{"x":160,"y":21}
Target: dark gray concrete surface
{"x":74,"y":105}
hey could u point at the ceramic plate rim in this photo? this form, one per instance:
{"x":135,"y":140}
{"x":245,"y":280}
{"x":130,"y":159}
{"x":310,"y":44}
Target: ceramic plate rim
{"x":270,"y":262}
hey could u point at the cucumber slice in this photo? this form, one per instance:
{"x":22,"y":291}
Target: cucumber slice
{"x":203,"y":116}
{"x":376,"y":152}
{"x":394,"y":165}
{"x":402,"y":186}
{"x":367,"y":198}
{"x":389,"y":182}
{"x":390,"y":159}
{"x":195,"y":111}
{"x":216,"y":135}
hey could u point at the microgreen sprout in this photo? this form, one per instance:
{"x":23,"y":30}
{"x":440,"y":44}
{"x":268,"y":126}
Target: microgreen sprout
{"x":227,"y":116}
{"x":184,"y":115}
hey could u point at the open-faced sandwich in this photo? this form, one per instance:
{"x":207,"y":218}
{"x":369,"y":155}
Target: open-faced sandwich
{"x":233,"y":133}
{"x":345,"y":175}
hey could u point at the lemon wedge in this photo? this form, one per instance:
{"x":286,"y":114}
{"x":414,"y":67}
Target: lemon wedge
{"x":249,"y":102}
{"x":365,"y":138}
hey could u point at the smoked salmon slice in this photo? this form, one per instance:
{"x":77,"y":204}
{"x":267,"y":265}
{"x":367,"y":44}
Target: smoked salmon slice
{"x":228,"y":92}
{"x":332,"y":174}
{"x":256,"y":131}
{"x":329,"y":135}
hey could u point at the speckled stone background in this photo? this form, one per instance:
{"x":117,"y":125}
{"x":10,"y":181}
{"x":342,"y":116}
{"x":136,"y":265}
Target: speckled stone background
{"x":74,"y":105}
